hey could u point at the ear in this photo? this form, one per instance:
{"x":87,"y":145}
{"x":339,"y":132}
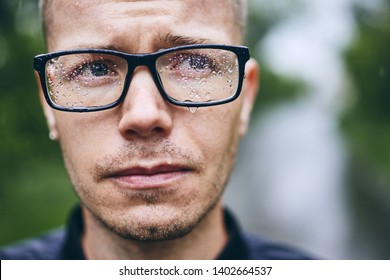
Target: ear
{"x":249,"y":92}
{"x":48,"y":111}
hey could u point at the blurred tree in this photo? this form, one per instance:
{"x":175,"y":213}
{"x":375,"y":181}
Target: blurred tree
{"x":366,"y":124}
{"x":274,"y":88}
{"x":34,"y":191}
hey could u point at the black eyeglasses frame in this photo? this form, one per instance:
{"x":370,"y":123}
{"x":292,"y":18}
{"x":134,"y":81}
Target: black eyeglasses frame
{"x":143,"y":59}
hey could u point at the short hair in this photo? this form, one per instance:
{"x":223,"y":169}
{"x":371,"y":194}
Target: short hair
{"x":239,"y":10}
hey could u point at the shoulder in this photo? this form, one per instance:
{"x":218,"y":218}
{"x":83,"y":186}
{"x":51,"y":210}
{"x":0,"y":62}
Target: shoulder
{"x":261,"y":249}
{"x":44,"y":247}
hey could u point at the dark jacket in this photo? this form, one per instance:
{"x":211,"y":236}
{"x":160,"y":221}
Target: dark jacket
{"x":64,"y":244}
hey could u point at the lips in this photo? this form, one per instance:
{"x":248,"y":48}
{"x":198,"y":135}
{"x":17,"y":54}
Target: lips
{"x":141,"y":178}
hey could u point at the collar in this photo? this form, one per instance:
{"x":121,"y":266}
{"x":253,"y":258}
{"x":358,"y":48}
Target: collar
{"x":235,"y":248}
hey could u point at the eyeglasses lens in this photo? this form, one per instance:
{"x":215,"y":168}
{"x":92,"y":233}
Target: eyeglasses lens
{"x":199,"y":75}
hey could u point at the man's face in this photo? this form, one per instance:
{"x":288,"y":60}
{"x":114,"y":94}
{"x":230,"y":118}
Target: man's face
{"x":147,"y":169}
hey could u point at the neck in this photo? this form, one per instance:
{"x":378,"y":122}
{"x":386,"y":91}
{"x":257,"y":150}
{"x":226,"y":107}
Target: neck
{"x":205,"y":241}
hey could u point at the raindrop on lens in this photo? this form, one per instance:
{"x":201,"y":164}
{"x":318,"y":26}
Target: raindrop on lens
{"x":192,"y":109}
{"x":202,"y":81}
{"x":192,"y":93}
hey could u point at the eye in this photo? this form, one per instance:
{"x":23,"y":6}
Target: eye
{"x":198,"y":62}
{"x":192,"y":61}
{"x":95,"y":69}
{"x":98,"y":69}
{"x":93,"y":73}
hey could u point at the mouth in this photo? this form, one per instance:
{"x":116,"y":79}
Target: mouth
{"x":143,"y":178}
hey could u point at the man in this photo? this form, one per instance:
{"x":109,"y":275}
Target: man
{"x":148,"y":100}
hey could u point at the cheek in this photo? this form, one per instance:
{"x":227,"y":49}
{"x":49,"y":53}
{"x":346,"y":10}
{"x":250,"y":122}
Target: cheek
{"x":83,"y":140}
{"x":216,"y":134}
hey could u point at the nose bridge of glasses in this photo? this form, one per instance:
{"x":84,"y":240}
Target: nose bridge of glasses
{"x":138,"y":64}
{"x":138,"y":60}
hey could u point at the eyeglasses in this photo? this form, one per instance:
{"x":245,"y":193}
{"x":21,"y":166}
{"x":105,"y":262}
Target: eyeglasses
{"x":94,"y":79}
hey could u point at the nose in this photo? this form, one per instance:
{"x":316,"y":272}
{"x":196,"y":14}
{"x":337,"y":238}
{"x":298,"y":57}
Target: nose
{"x":144,"y":112}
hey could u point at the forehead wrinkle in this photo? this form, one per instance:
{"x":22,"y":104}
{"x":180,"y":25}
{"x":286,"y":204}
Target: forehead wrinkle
{"x":112,"y":19}
{"x":138,"y":9}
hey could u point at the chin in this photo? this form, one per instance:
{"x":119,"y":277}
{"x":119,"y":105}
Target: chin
{"x":147,"y":230}
{"x":153,"y":223}
{"x":154,"y":233}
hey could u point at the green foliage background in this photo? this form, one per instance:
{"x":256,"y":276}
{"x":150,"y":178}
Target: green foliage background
{"x":366,"y":126}
{"x":34,"y":191}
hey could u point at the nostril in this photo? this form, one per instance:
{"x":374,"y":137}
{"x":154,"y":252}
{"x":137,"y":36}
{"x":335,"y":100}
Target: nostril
{"x":144,"y":133}
{"x":158,"y":130}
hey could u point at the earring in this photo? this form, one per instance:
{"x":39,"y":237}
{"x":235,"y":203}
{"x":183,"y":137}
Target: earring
{"x":52,"y":136}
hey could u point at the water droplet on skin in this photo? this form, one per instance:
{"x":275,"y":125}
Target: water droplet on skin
{"x":192,"y":109}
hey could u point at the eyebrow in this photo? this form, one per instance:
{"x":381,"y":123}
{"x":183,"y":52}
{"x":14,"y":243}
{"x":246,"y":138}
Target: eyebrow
{"x":170,"y":40}
{"x":167,"y":41}
{"x":110,"y":47}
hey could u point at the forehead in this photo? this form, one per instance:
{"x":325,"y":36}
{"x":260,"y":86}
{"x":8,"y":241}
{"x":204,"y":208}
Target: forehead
{"x":141,"y":21}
